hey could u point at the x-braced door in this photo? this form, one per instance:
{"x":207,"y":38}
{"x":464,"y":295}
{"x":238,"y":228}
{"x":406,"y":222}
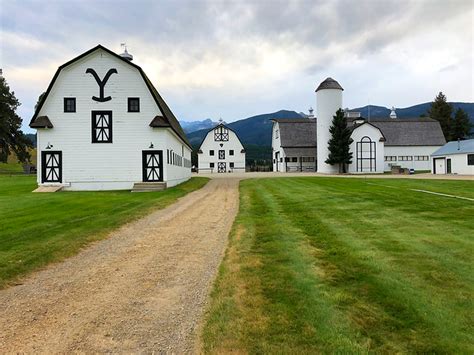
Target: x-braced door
{"x":51,"y":166}
{"x":152,"y":161}
{"x":221,"y":168}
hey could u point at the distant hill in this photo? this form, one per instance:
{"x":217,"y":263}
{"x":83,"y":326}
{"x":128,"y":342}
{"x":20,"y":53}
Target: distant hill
{"x":192,"y":126}
{"x":412,"y":111}
{"x":255,"y":130}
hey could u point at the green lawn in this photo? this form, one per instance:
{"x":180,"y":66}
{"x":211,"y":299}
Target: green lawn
{"x":39,"y":228}
{"x":346,"y":265}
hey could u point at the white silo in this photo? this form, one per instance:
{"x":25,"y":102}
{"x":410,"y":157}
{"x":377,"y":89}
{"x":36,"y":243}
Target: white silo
{"x":328,"y":100}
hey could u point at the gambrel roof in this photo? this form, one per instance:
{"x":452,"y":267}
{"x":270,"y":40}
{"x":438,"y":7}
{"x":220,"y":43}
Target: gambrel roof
{"x":168,"y":116}
{"x":299,"y":132}
{"x":217,"y":126}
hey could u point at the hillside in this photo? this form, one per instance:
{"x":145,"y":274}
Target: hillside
{"x":192,"y":126}
{"x":254,"y":130}
{"x":412,"y":111}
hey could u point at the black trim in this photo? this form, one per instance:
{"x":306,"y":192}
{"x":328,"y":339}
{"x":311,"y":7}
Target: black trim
{"x":44,"y":174}
{"x":221,"y":167}
{"x":94,"y":127}
{"x":101,"y":83}
{"x":165,"y":110}
{"x":372,"y":154}
{"x":221,"y":154}
{"x":152,"y":173}
{"x":213,"y":128}
{"x":67,"y":107}
{"x":130,"y":102}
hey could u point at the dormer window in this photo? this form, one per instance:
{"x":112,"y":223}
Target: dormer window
{"x":133,"y":104}
{"x":69,"y":104}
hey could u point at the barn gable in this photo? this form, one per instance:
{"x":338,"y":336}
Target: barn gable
{"x":168,"y":118}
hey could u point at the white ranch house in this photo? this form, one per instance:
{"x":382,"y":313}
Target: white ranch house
{"x":102,"y":125}
{"x":221,"y":151}
{"x":378,"y":143}
{"x":454,"y":158}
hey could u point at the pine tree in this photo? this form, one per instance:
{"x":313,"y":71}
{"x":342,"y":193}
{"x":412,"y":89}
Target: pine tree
{"x":339,"y":144}
{"x":12,"y":139}
{"x":461,"y":126}
{"x":441,"y":111}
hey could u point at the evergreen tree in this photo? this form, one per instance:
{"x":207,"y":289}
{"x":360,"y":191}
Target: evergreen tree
{"x":12,"y":139}
{"x":461,"y":126}
{"x":441,"y":111}
{"x":339,"y":144}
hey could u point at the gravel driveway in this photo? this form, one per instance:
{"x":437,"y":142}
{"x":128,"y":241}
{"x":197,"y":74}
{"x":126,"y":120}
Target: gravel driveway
{"x":144,"y":289}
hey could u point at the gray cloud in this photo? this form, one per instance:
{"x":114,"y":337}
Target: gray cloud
{"x":200,"y":48}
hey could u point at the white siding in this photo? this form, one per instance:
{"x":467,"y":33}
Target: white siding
{"x":205,"y":159}
{"x":114,"y":165}
{"x":278,"y":154}
{"x":458,"y":164}
{"x":412,"y":152}
{"x":367,"y":130}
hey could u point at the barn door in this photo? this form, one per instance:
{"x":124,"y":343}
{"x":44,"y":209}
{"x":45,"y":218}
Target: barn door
{"x":448,"y":166}
{"x":152,"y":161}
{"x":221,"y":167}
{"x":51,"y":166}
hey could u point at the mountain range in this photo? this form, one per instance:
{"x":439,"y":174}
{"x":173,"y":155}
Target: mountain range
{"x":256,"y":130}
{"x":192,"y":126}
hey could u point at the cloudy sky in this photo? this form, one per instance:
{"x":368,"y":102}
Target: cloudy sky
{"x":234,"y":59}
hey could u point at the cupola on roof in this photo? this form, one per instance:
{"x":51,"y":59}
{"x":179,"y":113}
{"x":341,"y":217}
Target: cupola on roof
{"x":329,"y":83}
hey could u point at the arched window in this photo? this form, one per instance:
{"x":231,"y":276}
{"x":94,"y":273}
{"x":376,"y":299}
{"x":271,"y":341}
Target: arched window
{"x":366,"y":155}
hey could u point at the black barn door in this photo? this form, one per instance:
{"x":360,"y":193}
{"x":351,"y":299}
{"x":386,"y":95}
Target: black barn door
{"x":51,"y":166}
{"x":221,"y":167}
{"x":152,"y":162}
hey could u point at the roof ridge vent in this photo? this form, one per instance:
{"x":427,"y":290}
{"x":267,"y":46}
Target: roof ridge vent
{"x":393,"y":114}
{"x":125,"y":54}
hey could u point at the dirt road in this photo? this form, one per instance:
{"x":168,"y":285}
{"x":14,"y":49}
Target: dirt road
{"x":142,"y":290}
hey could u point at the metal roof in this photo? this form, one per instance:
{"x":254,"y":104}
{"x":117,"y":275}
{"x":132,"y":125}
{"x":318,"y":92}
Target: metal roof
{"x":329,"y":83}
{"x":455,"y":147}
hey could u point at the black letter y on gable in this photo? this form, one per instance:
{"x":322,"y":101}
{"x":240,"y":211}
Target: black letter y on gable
{"x":101,"y":83}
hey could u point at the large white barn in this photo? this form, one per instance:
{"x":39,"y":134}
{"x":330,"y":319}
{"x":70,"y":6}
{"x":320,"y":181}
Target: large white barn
{"x":221,"y":151}
{"x":378,"y":143}
{"x":102,"y":125}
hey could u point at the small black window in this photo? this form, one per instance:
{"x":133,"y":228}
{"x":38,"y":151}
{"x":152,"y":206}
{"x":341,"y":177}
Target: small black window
{"x":69,"y":104}
{"x":231,"y":152}
{"x":211,"y":165}
{"x":281,"y":160}
{"x":470,"y":159}
{"x":211,"y":152}
{"x":294,"y":159}
{"x":287,"y":159}
{"x":133,"y":104}
{"x":231,"y":165}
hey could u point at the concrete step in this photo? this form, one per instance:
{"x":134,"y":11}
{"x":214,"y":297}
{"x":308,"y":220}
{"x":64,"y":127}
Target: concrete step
{"x":148,"y":186}
{"x":46,"y":188}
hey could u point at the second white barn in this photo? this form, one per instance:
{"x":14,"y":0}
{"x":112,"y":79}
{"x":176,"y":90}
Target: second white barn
{"x":103,"y":126}
{"x":221,"y":151}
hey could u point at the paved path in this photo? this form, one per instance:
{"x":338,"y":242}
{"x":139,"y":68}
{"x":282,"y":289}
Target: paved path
{"x":141,"y":290}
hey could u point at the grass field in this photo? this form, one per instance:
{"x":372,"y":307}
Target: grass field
{"x":348,"y":265}
{"x":39,"y":228}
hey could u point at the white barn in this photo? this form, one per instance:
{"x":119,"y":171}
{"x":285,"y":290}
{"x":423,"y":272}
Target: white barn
{"x":102,"y":125}
{"x":294,"y":144}
{"x":378,"y":143}
{"x":221,"y":151}
{"x":454,"y":158}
